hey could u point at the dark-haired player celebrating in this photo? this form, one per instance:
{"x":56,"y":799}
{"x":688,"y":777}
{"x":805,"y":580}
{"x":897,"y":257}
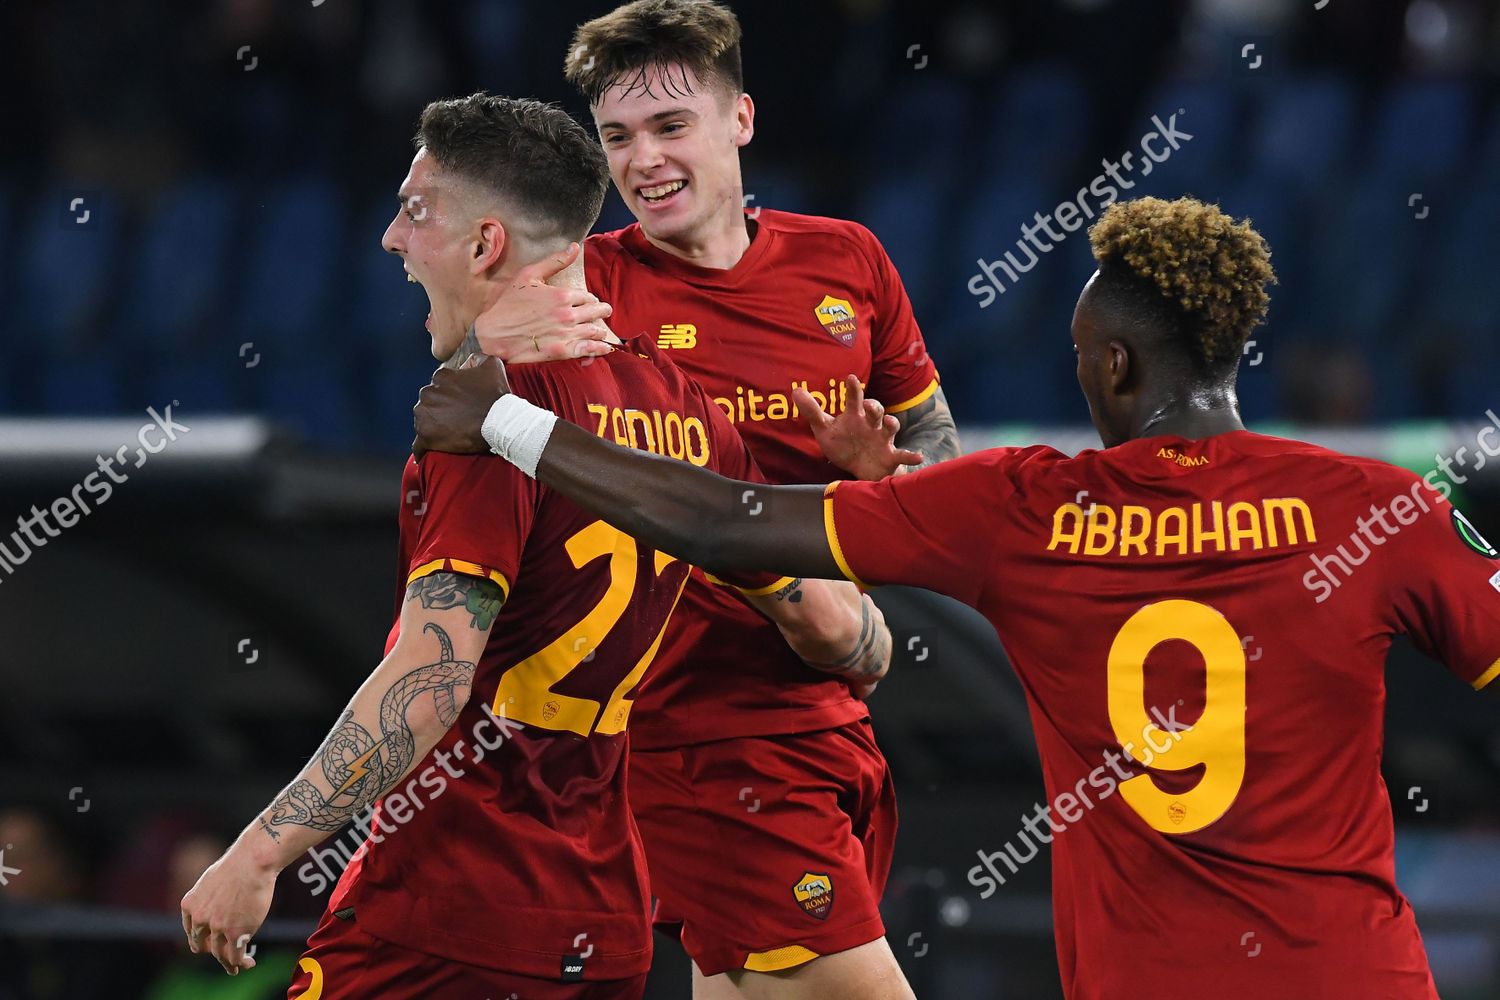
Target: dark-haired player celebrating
{"x":769,"y":312}
{"x":1221,"y":827}
{"x":502,"y":859}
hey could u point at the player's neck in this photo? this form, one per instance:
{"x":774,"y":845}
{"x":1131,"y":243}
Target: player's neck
{"x":719,"y":244}
{"x":1195,"y":414}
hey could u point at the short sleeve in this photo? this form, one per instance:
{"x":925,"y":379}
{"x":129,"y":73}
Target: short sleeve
{"x":901,"y":374}
{"x":935,"y":528}
{"x":1443,"y":578}
{"x":476,"y":512}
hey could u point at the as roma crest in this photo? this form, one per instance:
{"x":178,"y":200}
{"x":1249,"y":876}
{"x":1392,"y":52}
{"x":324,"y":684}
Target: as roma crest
{"x":837,"y":317}
{"x":815,"y":893}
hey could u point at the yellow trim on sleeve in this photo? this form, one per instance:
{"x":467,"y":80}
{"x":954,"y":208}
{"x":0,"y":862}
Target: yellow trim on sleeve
{"x":777,"y":959}
{"x":1487,"y":676}
{"x":916,"y":400}
{"x":833,"y":537}
{"x":763,"y":591}
{"x":459,"y":566}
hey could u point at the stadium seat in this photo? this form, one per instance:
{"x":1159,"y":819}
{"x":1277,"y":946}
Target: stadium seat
{"x":987,"y":227}
{"x":1208,"y":111}
{"x":1304,"y":130}
{"x":70,"y":238}
{"x":1364,"y":254}
{"x":1039,"y":122}
{"x":314,"y":398}
{"x":1422,"y":130}
{"x":930,"y":118}
{"x":288,"y":276}
{"x":905,"y":211}
{"x":90,"y":385}
{"x":178,"y":273}
{"x":386,"y":308}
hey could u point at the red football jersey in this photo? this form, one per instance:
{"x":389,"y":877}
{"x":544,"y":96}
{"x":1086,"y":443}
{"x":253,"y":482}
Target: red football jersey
{"x":812,"y":301}
{"x":1201,"y":630}
{"x":514,"y":844}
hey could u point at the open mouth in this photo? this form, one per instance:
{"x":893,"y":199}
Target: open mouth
{"x":413,"y":279}
{"x":660,"y":194}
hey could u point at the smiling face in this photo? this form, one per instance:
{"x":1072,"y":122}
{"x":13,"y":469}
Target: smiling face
{"x":436,"y":236}
{"x":673,"y":143}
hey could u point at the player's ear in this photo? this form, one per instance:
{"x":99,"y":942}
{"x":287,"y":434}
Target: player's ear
{"x":1119,"y":367}
{"x":744,"y":120}
{"x":488,"y":245}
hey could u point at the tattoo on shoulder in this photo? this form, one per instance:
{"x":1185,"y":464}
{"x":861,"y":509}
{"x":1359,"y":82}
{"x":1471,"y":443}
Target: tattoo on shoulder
{"x":481,"y":598}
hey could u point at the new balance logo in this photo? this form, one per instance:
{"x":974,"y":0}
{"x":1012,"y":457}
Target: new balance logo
{"x":678,"y":336}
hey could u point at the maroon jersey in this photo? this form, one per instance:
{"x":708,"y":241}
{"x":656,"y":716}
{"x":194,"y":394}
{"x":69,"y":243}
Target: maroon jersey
{"x":514,"y":846}
{"x":1201,"y":630}
{"x":812,"y":301}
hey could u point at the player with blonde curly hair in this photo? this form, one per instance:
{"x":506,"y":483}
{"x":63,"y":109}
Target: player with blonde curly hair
{"x":1209,"y":717}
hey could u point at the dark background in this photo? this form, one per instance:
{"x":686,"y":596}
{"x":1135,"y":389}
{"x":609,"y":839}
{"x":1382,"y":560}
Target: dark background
{"x":173,"y":659}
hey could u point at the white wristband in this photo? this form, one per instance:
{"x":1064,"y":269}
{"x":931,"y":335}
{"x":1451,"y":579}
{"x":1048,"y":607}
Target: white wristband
{"x":517,"y":431}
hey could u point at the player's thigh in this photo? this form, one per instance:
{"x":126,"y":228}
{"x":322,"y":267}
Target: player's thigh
{"x":867,"y":972}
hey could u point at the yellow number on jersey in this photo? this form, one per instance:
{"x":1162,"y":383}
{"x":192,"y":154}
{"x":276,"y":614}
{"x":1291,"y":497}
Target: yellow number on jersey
{"x":525,"y":691}
{"x":315,"y":987}
{"x":1216,"y":740}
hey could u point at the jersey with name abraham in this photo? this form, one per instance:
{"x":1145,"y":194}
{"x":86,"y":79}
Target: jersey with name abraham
{"x":1201,"y":629}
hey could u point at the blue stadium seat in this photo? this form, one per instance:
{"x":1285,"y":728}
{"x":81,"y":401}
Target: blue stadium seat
{"x":905,"y":212}
{"x":396,"y":376}
{"x":1277,"y":213}
{"x":1304,"y":129}
{"x":1208,"y":110}
{"x":70,"y":239}
{"x":386,"y":308}
{"x":290,"y":269}
{"x":927,"y":123}
{"x":1459,"y":294}
{"x":1365,"y":252}
{"x":1423,"y":130}
{"x":1040,"y":120}
{"x":179,"y":270}
{"x":988,"y":226}
{"x":314,"y":397}
{"x":90,"y":385}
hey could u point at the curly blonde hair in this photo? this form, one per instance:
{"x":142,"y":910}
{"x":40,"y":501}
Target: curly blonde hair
{"x":1213,"y":272}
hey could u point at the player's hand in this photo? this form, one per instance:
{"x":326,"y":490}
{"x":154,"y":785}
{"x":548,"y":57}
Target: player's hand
{"x":450,"y":411}
{"x":224,"y":910}
{"x":862,"y":439}
{"x":535,"y":321}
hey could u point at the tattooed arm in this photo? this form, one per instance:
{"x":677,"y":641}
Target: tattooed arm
{"x":398,"y":714}
{"x":833,"y":628}
{"x":928,"y":429}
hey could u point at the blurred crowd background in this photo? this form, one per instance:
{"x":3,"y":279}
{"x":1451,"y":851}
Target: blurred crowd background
{"x":191,"y":202}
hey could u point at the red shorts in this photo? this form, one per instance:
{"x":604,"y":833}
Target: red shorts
{"x":343,"y":962}
{"x":768,"y":851}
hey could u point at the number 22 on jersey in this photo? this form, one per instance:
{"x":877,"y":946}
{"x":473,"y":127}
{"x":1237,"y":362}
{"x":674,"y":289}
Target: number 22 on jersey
{"x":526,"y":690}
{"x":1216,"y":741}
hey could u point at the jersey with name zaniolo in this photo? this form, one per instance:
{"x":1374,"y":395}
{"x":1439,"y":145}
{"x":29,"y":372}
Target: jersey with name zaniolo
{"x":512,"y":844}
{"x":812,"y":301}
{"x":1201,"y":630}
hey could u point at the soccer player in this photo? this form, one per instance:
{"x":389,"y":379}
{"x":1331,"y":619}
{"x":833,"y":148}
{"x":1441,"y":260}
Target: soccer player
{"x":502,"y":858}
{"x":1199,"y":615}
{"x":769,"y":312}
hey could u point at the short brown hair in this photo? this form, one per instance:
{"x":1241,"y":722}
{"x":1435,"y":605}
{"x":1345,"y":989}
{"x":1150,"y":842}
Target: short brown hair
{"x":532,"y":154}
{"x":1186,"y":266}
{"x":626,"y":45}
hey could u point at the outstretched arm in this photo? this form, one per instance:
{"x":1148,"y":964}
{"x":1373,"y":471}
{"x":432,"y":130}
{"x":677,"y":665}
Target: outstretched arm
{"x":833,"y":627}
{"x":400,"y":712}
{"x":724,"y":525}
